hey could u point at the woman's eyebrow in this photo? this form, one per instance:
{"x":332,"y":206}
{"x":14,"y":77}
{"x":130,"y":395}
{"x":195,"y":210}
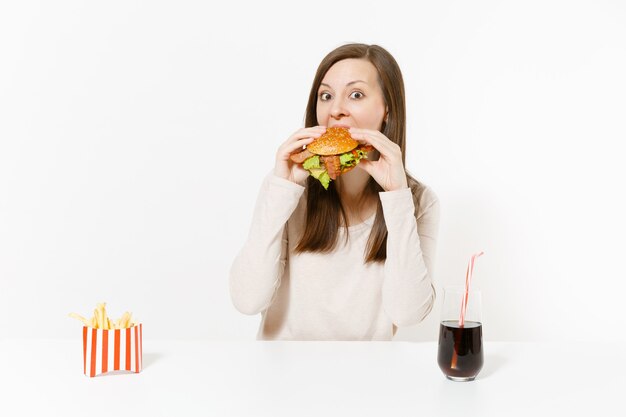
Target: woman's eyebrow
{"x":350,"y":83}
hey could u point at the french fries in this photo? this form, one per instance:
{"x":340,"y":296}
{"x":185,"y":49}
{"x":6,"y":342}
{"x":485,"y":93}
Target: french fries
{"x":100,"y":320}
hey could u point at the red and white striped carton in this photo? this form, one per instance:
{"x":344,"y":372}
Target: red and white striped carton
{"x":112,"y":350}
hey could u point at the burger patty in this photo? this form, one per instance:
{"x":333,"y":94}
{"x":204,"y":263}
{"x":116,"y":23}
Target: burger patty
{"x":333,"y":165}
{"x":300,"y":157}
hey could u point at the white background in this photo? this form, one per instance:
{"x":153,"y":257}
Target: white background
{"x":134,"y":137}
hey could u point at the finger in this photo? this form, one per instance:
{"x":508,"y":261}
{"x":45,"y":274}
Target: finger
{"x":298,"y":141}
{"x":359,"y":131}
{"x":374,"y":134}
{"x":296,"y":146}
{"x":365,"y":165}
{"x":370,"y":137}
{"x":307,"y":132}
{"x":379,"y":141}
{"x":311,"y":131}
{"x":363,"y":136}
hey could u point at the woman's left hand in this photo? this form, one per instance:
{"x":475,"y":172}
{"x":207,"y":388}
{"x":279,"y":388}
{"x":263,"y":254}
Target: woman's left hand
{"x":388,"y":170}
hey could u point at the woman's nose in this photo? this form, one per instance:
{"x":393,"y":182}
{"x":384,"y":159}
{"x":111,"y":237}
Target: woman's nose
{"x":339,"y":109}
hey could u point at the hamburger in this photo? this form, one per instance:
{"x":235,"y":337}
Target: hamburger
{"x":332,"y":154}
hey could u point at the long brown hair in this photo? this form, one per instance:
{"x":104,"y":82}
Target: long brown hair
{"x":325,"y":213}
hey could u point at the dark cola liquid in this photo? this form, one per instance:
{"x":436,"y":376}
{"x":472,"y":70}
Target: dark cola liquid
{"x":460,"y":353}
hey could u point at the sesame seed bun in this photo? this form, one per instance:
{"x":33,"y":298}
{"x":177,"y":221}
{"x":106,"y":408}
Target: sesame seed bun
{"x":335,"y":141}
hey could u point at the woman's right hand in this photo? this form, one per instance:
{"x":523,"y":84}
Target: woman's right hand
{"x":285,"y":167}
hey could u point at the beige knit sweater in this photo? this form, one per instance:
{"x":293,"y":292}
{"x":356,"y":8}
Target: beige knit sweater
{"x":312,"y":296}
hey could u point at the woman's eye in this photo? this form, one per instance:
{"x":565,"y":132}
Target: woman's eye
{"x":324,"y":96}
{"x":356,"y":95}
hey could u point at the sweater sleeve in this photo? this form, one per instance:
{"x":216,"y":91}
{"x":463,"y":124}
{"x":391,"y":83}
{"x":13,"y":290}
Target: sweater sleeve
{"x":408,"y":292}
{"x":258,"y":267}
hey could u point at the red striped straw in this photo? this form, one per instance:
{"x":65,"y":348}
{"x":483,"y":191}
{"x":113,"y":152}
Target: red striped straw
{"x":468,"y":279}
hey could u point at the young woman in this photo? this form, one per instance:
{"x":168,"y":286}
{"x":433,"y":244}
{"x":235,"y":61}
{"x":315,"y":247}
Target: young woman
{"x":356,"y":260}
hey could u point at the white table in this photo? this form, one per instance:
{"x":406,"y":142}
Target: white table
{"x":44,"y":377}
